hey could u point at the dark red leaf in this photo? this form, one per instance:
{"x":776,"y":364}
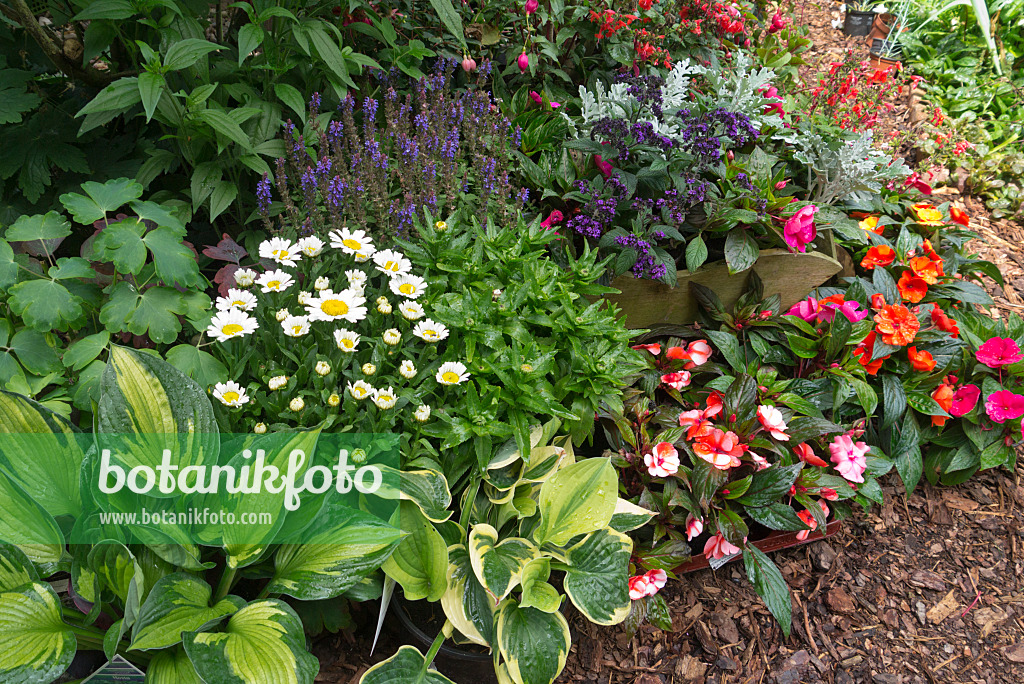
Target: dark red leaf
{"x":226,"y":250}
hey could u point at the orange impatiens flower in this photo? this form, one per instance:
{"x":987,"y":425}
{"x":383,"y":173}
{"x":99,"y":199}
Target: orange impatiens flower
{"x":870,"y":225}
{"x":922,"y":360}
{"x":943,"y":322}
{"x":943,"y":396}
{"x":959,"y":216}
{"x":927,"y":215}
{"x":879,"y":255}
{"x":926,"y":247}
{"x":912,"y":288}
{"x":863,"y":354}
{"x":896,"y":325}
{"x":927,"y":270}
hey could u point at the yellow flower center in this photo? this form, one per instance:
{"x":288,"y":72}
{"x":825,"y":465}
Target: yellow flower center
{"x":352,"y":244}
{"x":273,"y":284}
{"x":232,"y":329}
{"x":407,"y":288}
{"x":391,"y":266}
{"x":334,"y":307}
{"x":238,"y":302}
{"x":282,"y":254}
{"x":347,"y":344}
{"x":296,"y":329}
{"x":359,"y":392}
{"x":230,"y":397}
{"x":450,"y":377}
{"x":429,"y":334}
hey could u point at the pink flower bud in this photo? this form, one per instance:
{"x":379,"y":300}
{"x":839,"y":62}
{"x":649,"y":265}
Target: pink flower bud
{"x":523,"y":62}
{"x":468,"y":64}
{"x":781,"y":184}
{"x":531,"y":6}
{"x":535,"y":96}
{"x":731,"y":155}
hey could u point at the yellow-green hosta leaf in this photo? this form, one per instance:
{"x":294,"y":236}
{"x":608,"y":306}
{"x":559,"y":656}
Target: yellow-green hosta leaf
{"x":537,"y":593}
{"x":405,"y":667}
{"x":35,"y":644}
{"x":578,"y":499}
{"x":506,"y":477}
{"x":171,"y":666}
{"x":629,"y":516}
{"x":420,"y":562}
{"x":15,"y":568}
{"x":508,"y":452}
{"x":25,"y":523}
{"x":262,"y":643}
{"x":534,"y":644}
{"x":425,"y":487}
{"x":597,"y":580}
{"x":544,"y":462}
{"x":466,"y":604}
{"x":343,"y":547}
{"x":498,"y":564}
{"x":178,"y":603}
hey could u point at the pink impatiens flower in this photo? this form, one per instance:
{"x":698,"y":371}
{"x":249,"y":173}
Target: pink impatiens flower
{"x":999,"y":351}
{"x":637,"y":587}
{"x":604,"y":167}
{"x":663,"y":461}
{"x":771,"y":419}
{"x":964,"y":400}
{"x":535,"y":96}
{"x":656,"y":580}
{"x":849,"y":457}
{"x":719,"y":547}
{"x":653,"y":348}
{"x":799,"y":230}
{"x":1004,"y":405}
{"x":807,"y":310}
{"x":555,"y":217}
{"x":531,"y":6}
{"x":694,"y":526}
{"x":676,"y":380}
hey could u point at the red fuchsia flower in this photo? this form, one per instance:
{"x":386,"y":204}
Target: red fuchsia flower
{"x":771,"y":419}
{"x":713,"y":404}
{"x":799,"y":230}
{"x":655,"y":348}
{"x":523,"y":62}
{"x":943,"y":322}
{"x":778,"y":23}
{"x":535,"y":96}
{"x":468,"y":64}
{"x":530,"y":7}
{"x":806,"y":454}
{"x":964,"y":400}
{"x":809,"y":520}
{"x":676,"y":380}
{"x":943,"y":396}
{"x":719,"y":547}
{"x":921,"y":361}
{"x":696,"y":423}
{"x":721,"y":449}
{"x":829,"y":494}
{"x":637,"y":587}
{"x":694,"y":526}
{"x":1004,"y":405}
{"x":849,"y":457}
{"x":999,"y":351}
{"x":663,"y":461}
{"x":554,"y":218}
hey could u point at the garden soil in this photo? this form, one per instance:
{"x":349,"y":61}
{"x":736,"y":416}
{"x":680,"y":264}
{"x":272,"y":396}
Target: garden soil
{"x":928,"y":589}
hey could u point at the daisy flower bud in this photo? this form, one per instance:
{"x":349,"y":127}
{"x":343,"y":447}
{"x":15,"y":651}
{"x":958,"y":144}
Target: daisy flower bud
{"x":277,"y":382}
{"x":383,"y":305}
{"x":281,"y":315}
{"x":322,"y":283}
{"x":369,"y":369}
{"x":322,"y":368}
{"x":440,"y":226}
{"x":407,"y":370}
{"x":333,"y":400}
{"x":392,"y":337}
{"x":297,"y":404}
{"x":422,"y":413}
{"x":304,"y":297}
{"x":260,"y":428}
{"x":244,"y":277}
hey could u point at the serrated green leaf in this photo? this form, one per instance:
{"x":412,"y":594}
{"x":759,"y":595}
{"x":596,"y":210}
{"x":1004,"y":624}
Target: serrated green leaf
{"x":45,"y":304}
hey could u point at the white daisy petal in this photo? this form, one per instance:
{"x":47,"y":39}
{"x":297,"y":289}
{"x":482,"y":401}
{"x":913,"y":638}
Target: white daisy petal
{"x":231,"y":323}
{"x":452,"y":373}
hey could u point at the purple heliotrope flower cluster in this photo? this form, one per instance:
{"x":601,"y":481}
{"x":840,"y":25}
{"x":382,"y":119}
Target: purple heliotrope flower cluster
{"x":701,"y":133}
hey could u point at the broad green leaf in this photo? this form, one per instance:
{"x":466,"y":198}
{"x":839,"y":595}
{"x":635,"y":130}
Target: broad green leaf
{"x":465,"y":602}
{"x":25,"y":523}
{"x":628,"y":516}
{"x":263,"y":642}
{"x":224,"y":193}
{"x":184,"y":53}
{"x":598,"y":575}
{"x":420,"y":563}
{"x":201,"y":366}
{"x":328,"y":50}
{"x":121,"y":244}
{"x":730,"y":348}
{"x":153,"y":312}
{"x":533,"y":643}
{"x":36,"y":647}
{"x":408,"y":666}
{"x":120,"y":95}
{"x":15,"y":568}
{"x":292,"y":97}
{"x":45,"y":304}
{"x":106,"y":9}
{"x":68,"y":268}
{"x":578,"y":499}
{"x":8,"y":266}
{"x":537,"y":593}
{"x":48,"y":226}
{"x":770,"y":485}
{"x":178,"y":603}
{"x":451,"y":19}
{"x":84,"y":351}
{"x":250,"y":36}
{"x":740,"y":250}
{"x":100,"y":198}
{"x":151,"y":88}
{"x":175,"y":263}
{"x":225,"y":127}
{"x":769,"y":585}
{"x":498,"y":565}
{"x":35,"y":351}
{"x":171,"y":666}
{"x":425,"y":487}
{"x":696,"y":254}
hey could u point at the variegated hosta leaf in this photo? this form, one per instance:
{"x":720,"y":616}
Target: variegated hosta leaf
{"x":498,"y":565}
{"x":15,"y":568}
{"x":578,"y":499}
{"x":505,"y":478}
{"x":178,"y":603}
{"x":405,"y":667}
{"x":597,"y":580}
{"x":466,"y":604}
{"x":25,"y":523}
{"x":420,"y":562}
{"x":534,"y":644}
{"x":498,"y":496}
{"x":629,"y":516}
{"x":544,"y":462}
{"x":41,"y":453}
{"x":261,"y":643}
{"x":344,"y":546}
{"x":171,"y":666}
{"x":35,"y":644}
{"x":508,"y":452}
{"x":537,"y":593}
{"x":425,"y":487}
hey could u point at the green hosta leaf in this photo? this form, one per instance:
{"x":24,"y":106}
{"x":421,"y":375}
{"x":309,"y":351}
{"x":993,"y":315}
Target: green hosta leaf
{"x":48,"y":226}
{"x":533,"y":643}
{"x":465,"y":602}
{"x":15,"y":568}
{"x":178,"y":603}
{"x":27,"y":524}
{"x":100,"y":198}
{"x":45,"y":304}
{"x":171,"y":666}
{"x":598,"y":575}
{"x":36,"y":647}
{"x":578,"y":499}
{"x":263,"y":642}
{"x":498,"y":565}
{"x":425,"y":487}
{"x":537,"y":593}
{"x":420,"y":563}
{"x":629,"y":516}
{"x":769,"y":585}
{"x":408,"y":666}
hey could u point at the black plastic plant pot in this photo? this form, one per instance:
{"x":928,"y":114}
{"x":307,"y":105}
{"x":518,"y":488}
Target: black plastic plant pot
{"x":894,"y":51}
{"x":858,"y":23}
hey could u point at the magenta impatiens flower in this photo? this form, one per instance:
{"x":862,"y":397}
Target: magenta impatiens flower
{"x":807,"y":310}
{"x":799,"y":230}
{"x":553,"y":218}
{"x":849,"y":457}
{"x":1004,"y":405}
{"x":964,"y":400}
{"x":999,"y":351}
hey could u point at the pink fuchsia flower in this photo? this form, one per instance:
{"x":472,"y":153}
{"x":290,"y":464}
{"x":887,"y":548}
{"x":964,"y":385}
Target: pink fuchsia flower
{"x":999,"y":351}
{"x":535,"y":96}
{"x":719,"y":547}
{"x":778,"y":23}
{"x":964,"y":400}
{"x":771,"y":419}
{"x":806,"y":454}
{"x":656,"y":580}
{"x":604,"y":167}
{"x":1004,"y":405}
{"x":663,"y":461}
{"x":807,"y":310}
{"x":637,"y":587}
{"x":655,"y":348}
{"x":809,"y":520}
{"x":530,"y":7}
{"x":676,"y":380}
{"x":849,"y":457}
{"x":799,"y":230}
{"x":555,"y":217}
{"x":694,"y":526}
{"x":468,"y":64}
{"x":524,"y":62}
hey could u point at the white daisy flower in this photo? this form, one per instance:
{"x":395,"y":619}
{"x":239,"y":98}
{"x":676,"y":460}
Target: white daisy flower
{"x":408,"y":285}
{"x":322,"y":283}
{"x":392,"y":337}
{"x":452,"y":373}
{"x":281,"y":315}
{"x":355,"y":277}
{"x":244,"y":277}
{"x":311,"y":246}
{"x":407,"y":369}
{"x":412,"y":311}
{"x":422,"y":413}
{"x":353,"y":242}
{"x":297,"y":404}
{"x":385,"y":398}
{"x":322,"y":368}
{"x":346,"y":340}
{"x":440,"y":226}
{"x":242,"y":300}
{"x":333,"y":306}
{"x":231,"y":323}
{"x":277,"y":382}
{"x":363,"y":257}
{"x":391,"y":262}
{"x":383,"y":305}
{"x":295,"y":326}
{"x":360,"y":390}
{"x":369,"y":369}
{"x":274,"y":281}
{"x":430,"y":331}
{"x":280,"y":250}
{"x":304,"y":297}
{"x":230,"y":393}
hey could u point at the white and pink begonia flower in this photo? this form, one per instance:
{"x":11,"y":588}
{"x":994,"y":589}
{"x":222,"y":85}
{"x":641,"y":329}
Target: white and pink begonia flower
{"x":771,"y":419}
{"x":663,"y":460}
{"x":849,"y":457}
{"x":677,"y":380}
{"x":694,"y":526}
{"x":719,"y":547}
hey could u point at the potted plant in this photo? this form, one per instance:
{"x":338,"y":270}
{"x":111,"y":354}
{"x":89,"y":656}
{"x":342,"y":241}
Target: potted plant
{"x":859,"y":19}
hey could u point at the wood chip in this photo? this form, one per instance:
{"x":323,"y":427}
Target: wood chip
{"x":944,"y":608}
